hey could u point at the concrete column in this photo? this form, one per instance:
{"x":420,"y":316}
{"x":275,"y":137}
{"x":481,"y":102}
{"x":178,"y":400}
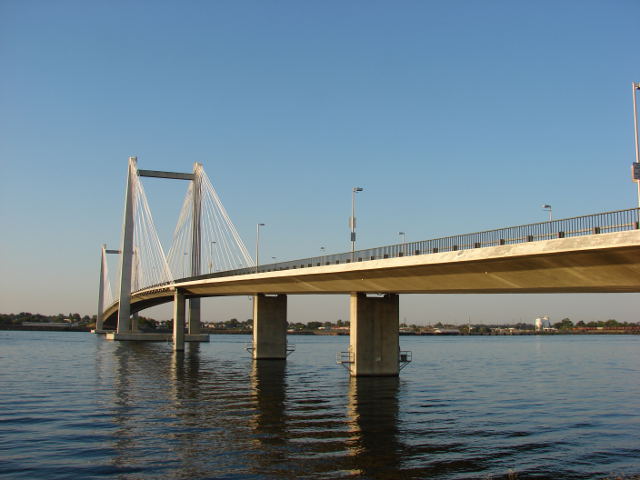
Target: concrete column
{"x":124,"y":308}
{"x":196,"y":247}
{"x":103,"y":280}
{"x":135,"y":286}
{"x":178,"y":320}
{"x":269,"y":327}
{"x":194,"y":316}
{"x":374,"y":335}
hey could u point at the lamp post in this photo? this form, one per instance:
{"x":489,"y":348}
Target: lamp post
{"x":402,"y":240}
{"x":184,"y":265}
{"x":321,"y":255}
{"x":352,"y":220}
{"x":258,"y":225}
{"x":636,"y":167}
{"x":211,"y":256}
{"x":548,"y":209}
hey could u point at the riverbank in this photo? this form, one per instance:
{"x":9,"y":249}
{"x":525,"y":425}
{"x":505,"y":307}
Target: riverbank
{"x":45,"y":328}
{"x":331,"y":333}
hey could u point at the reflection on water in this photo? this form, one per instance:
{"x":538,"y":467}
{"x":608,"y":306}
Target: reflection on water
{"x":170,"y":402}
{"x":268,"y":389}
{"x":268,"y":423}
{"x":80,"y":407}
{"x":373,"y":412}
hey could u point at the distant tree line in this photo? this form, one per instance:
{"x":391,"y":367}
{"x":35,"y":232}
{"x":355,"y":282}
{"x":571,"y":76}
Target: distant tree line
{"x":567,"y":324}
{"x":235,"y":324}
{"x":318,"y":325}
{"x":19,"y":318}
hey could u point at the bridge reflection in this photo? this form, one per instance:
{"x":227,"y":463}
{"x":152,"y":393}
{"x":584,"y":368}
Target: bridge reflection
{"x":373,"y":412}
{"x":191,"y":415}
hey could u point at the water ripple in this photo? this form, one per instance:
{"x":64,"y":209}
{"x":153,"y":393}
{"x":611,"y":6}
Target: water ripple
{"x":75,"y":406}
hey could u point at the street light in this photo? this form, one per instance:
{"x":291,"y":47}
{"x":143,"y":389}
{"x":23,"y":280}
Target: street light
{"x":184,"y":265}
{"x":321,"y":255}
{"x":636,"y":167}
{"x":352,"y":220}
{"x":258,"y":225}
{"x":211,"y":257}
{"x":402,"y":240}
{"x":548,"y":209}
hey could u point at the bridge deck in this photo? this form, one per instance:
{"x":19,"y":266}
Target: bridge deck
{"x":603,"y":263}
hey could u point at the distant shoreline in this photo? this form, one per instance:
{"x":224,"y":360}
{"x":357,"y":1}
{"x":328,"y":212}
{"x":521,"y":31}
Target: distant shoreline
{"x":44,"y":328}
{"x":325,"y":333}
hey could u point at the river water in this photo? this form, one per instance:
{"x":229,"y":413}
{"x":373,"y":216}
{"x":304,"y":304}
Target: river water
{"x":73,"y":405}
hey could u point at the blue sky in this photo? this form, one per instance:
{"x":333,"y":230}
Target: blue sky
{"x":454,"y":116}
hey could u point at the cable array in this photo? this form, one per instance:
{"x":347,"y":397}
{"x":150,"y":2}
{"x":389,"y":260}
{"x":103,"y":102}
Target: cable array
{"x":225,"y":248}
{"x":221,"y":247}
{"x":179,"y":256}
{"x":150,"y":266}
{"x":107,"y":292}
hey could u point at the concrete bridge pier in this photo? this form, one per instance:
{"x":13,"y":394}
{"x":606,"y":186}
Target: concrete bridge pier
{"x":179,"y":304}
{"x":180,"y":334}
{"x":134,"y":323}
{"x":269,"y":327}
{"x":374,"y":335}
{"x":194,"y":316}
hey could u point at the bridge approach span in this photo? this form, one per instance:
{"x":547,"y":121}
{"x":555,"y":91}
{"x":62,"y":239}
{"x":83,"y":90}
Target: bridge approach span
{"x":604,"y":263}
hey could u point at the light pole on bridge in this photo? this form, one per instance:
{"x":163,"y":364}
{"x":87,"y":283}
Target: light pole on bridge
{"x":352,"y":220}
{"x":548,"y":208}
{"x":184,"y":265}
{"x":636,"y":166}
{"x":258,"y":225}
{"x":211,"y":256}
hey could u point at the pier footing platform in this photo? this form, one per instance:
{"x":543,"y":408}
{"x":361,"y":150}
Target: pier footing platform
{"x":155,"y":337}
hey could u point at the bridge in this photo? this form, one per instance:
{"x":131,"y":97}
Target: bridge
{"x":597,"y":253}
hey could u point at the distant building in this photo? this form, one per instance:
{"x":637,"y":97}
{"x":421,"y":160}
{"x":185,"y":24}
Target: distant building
{"x":505,"y":331}
{"x":446,"y":331}
{"x":49,"y":324}
{"x":542,"y":323}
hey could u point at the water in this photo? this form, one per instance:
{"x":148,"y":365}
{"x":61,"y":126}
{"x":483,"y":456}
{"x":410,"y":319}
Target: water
{"x":73,"y":405}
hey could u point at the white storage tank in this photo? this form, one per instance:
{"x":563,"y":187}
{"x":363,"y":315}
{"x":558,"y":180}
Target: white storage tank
{"x":541,"y":323}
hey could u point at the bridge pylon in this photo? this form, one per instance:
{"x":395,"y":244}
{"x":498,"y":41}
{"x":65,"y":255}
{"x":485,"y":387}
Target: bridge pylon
{"x":126,"y":255}
{"x":196,"y":245}
{"x":126,"y":328}
{"x":104,"y":287}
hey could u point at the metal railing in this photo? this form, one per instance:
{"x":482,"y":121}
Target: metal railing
{"x":616,"y":221}
{"x":289,"y":348}
{"x":346,"y":359}
{"x":404,"y":358}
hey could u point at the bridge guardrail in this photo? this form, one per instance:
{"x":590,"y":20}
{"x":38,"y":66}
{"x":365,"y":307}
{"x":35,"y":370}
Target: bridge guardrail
{"x":616,"y":221}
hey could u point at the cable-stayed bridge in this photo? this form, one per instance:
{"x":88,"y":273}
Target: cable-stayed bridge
{"x":207,"y":258}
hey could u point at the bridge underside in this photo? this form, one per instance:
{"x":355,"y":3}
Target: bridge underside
{"x":615,"y":271}
{"x":137,"y":305}
{"x":605,"y":263}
